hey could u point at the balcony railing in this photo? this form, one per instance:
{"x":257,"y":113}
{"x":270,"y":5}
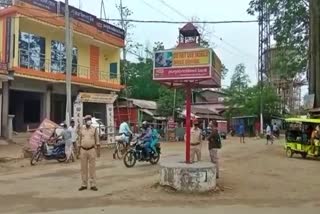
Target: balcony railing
{"x":36,"y":61}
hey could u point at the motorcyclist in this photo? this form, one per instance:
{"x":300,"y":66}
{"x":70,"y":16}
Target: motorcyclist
{"x":146,"y":138}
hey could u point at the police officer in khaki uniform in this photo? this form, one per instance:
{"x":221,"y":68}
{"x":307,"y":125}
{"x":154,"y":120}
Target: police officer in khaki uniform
{"x":89,"y":150}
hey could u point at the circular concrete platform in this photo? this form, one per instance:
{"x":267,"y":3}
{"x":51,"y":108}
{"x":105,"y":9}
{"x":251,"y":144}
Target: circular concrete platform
{"x":197,"y":177}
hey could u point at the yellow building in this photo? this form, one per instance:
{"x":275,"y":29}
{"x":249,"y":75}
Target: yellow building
{"x":32,"y":45}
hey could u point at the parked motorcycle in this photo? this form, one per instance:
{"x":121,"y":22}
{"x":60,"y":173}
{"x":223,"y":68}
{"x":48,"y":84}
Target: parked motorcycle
{"x":137,"y":153}
{"x":49,"y":152}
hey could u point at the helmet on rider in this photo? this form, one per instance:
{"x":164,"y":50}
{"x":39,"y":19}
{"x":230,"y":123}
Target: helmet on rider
{"x":144,"y":124}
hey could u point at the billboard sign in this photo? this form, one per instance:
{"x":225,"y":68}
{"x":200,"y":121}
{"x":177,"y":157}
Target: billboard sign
{"x":183,"y":64}
{"x":96,"y":98}
{"x":108,"y":28}
{"x":50,"y":5}
{"x":77,"y":14}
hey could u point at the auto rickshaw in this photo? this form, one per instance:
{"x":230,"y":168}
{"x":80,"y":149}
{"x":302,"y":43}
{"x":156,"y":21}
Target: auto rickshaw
{"x":298,"y":137}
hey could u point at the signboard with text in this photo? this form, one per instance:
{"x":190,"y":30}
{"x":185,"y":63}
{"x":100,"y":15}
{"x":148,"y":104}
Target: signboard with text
{"x":79,"y":15}
{"x":183,"y":64}
{"x":108,"y":28}
{"x":96,"y":98}
{"x":110,"y":123}
{"x":50,"y":5}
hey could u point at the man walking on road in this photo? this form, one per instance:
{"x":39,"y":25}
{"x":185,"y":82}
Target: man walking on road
{"x":89,"y":150}
{"x":269,"y":134}
{"x":241,"y":133}
{"x":74,"y":137}
{"x":195,"y":141}
{"x":214,"y":146}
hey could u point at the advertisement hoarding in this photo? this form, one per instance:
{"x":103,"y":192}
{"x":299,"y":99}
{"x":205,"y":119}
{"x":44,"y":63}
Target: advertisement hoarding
{"x":50,"y":5}
{"x":183,"y":64}
{"x":79,"y":15}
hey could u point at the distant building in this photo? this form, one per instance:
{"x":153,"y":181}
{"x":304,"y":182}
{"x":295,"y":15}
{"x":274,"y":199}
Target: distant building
{"x":288,"y":90}
{"x":211,"y":99}
{"x":136,"y":111}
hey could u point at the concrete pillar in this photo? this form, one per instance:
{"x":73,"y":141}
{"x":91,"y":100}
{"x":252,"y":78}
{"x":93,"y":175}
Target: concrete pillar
{"x":10,"y":126}
{"x":5,"y":109}
{"x":47,"y":104}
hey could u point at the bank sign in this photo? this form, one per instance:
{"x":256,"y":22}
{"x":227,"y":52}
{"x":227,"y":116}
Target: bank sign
{"x":183,"y":64}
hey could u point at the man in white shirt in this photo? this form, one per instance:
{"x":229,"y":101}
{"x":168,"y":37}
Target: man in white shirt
{"x":125,"y":131}
{"x":269,"y":134}
{"x":74,"y":136}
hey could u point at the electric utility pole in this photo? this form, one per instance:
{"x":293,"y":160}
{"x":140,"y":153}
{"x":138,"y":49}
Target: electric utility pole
{"x":264,"y":52}
{"x":68,"y":47}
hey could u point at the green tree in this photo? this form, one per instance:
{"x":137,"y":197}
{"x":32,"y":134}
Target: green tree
{"x":166,"y":103}
{"x":236,"y":92}
{"x":245,"y":100}
{"x":290,"y":30}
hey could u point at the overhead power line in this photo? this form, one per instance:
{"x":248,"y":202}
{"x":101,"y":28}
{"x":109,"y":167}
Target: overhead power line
{"x":183,"y":22}
{"x":173,"y":9}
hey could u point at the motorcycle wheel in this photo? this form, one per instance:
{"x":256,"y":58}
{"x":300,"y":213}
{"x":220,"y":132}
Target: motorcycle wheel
{"x":121,"y":150}
{"x":61,"y":160}
{"x":35,"y":158}
{"x":129,"y":159}
{"x":155,"y":159}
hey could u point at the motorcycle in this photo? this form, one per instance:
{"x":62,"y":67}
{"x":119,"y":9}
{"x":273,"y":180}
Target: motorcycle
{"x":49,"y":152}
{"x":137,"y":153}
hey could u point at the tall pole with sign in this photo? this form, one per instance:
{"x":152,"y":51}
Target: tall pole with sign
{"x":68,"y":46}
{"x":188,"y":68}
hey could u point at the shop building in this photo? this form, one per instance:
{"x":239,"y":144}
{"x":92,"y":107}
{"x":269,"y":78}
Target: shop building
{"x":32,"y":43}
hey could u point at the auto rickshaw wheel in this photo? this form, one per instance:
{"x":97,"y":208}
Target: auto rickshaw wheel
{"x":304,"y":155}
{"x":289,"y":153}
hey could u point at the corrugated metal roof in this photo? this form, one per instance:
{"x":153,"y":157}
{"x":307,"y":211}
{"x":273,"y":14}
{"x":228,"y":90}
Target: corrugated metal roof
{"x":144,"y":104}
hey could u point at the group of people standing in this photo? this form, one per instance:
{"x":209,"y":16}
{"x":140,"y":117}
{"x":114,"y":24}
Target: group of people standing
{"x":214,"y":143}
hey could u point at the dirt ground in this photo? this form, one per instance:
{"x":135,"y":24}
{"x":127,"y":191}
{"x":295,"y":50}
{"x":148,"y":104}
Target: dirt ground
{"x":254,"y":177}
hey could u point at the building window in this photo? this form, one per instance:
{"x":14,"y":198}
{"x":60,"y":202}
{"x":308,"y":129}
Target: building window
{"x":32,"y":51}
{"x":113,"y":70}
{"x":58,"y":58}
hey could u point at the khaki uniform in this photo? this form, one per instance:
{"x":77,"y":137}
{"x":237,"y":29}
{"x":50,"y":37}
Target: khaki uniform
{"x":88,"y":141}
{"x":195,"y":142}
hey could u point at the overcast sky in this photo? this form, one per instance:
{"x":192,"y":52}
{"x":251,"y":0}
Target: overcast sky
{"x":234,"y":43}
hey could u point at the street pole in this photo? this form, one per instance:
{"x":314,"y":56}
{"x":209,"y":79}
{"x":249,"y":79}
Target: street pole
{"x":174,"y":103}
{"x":68,"y":47}
{"x":188,"y":121}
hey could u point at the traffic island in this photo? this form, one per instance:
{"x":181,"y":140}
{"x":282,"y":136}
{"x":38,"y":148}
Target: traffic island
{"x":198,"y":177}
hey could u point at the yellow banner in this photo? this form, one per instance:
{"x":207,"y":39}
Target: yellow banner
{"x":191,"y":58}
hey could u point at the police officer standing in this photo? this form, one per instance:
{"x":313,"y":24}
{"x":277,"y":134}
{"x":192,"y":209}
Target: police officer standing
{"x":89,"y":150}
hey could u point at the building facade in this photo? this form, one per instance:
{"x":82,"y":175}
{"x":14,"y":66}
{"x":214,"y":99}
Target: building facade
{"x":32,"y":43}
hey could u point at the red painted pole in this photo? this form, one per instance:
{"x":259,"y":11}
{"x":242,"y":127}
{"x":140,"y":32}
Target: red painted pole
{"x":188,"y":122}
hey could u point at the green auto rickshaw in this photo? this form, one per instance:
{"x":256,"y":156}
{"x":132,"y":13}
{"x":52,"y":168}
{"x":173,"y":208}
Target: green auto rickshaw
{"x":299,"y":137}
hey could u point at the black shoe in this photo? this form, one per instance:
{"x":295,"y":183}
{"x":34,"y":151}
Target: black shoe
{"x":83,"y":188}
{"x":94,"y":188}
{"x":114,"y":156}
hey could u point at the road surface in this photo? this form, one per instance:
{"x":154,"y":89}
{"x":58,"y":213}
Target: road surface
{"x":254,"y":178}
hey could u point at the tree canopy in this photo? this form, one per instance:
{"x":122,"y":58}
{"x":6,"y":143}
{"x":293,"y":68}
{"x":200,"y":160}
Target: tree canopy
{"x":243,"y":99}
{"x":290,"y":30}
